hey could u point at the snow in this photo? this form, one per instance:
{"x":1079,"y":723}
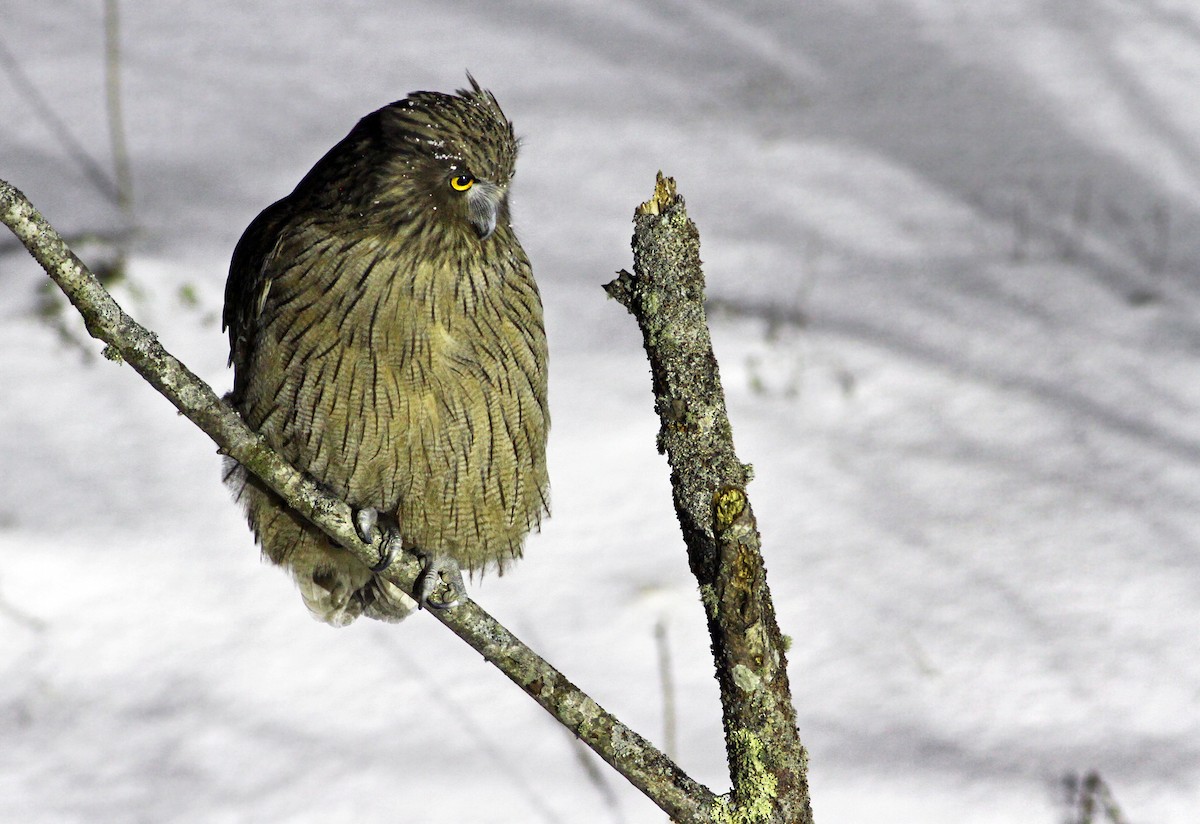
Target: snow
{"x":973,"y":422}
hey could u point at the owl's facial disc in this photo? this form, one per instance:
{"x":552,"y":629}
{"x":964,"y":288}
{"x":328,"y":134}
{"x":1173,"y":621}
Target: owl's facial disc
{"x":484,"y":200}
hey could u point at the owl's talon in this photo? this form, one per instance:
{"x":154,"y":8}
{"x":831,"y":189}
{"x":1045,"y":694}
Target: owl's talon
{"x":440,"y":572}
{"x":440,"y":605}
{"x":366,"y":524}
{"x":389,"y":542}
{"x":365,"y":521}
{"x":386,"y":556}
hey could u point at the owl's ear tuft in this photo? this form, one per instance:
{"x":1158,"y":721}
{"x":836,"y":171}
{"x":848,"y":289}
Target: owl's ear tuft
{"x":475,"y":87}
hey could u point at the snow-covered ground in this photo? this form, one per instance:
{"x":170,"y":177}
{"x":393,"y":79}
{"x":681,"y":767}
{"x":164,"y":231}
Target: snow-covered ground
{"x":973,"y":419}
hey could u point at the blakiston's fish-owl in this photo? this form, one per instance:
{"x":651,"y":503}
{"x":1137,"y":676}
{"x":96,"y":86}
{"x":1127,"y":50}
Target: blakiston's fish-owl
{"x":386,"y":336}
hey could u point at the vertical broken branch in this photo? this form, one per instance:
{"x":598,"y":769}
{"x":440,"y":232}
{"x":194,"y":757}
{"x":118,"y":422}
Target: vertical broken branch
{"x":665,"y":294}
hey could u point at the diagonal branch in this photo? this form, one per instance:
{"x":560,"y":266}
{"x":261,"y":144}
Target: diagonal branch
{"x":665,"y":294}
{"x":681,"y":797}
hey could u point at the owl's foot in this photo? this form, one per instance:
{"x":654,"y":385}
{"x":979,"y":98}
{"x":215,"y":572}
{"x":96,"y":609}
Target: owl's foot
{"x":366,"y":524}
{"x":440,"y":573}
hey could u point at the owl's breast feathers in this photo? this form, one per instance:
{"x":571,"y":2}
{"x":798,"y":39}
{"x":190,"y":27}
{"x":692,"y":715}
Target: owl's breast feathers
{"x":415,"y":386}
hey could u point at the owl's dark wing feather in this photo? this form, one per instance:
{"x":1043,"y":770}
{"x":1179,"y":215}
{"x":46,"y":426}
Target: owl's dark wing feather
{"x":248,"y":284}
{"x":329,"y":187}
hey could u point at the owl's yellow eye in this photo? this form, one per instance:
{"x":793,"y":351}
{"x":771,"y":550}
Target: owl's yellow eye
{"x":462,"y":183}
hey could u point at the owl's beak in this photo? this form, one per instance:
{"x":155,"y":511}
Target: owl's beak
{"x":483,"y":207}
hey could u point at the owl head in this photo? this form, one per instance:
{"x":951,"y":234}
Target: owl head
{"x":449,"y":159}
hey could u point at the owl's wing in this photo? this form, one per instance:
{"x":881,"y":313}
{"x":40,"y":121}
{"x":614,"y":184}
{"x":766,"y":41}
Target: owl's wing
{"x":250,"y":275}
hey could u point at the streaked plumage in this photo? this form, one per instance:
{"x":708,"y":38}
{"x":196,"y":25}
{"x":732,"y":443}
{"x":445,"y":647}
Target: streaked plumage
{"x":386,"y":336}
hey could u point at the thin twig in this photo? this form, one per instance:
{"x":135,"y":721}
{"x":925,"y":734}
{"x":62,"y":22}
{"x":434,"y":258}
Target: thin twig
{"x":116,"y":117}
{"x":20,"y":617}
{"x":463,"y":715}
{"x":1091,"y":800}
{"x":662,"y":643}
{"x":26,"y":88}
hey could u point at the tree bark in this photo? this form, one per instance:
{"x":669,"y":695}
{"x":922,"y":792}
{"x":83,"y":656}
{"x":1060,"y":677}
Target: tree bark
{"x":665,"y":293}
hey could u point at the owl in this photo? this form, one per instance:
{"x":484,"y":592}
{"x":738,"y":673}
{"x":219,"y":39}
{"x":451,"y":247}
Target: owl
{"x":386,"y":336}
